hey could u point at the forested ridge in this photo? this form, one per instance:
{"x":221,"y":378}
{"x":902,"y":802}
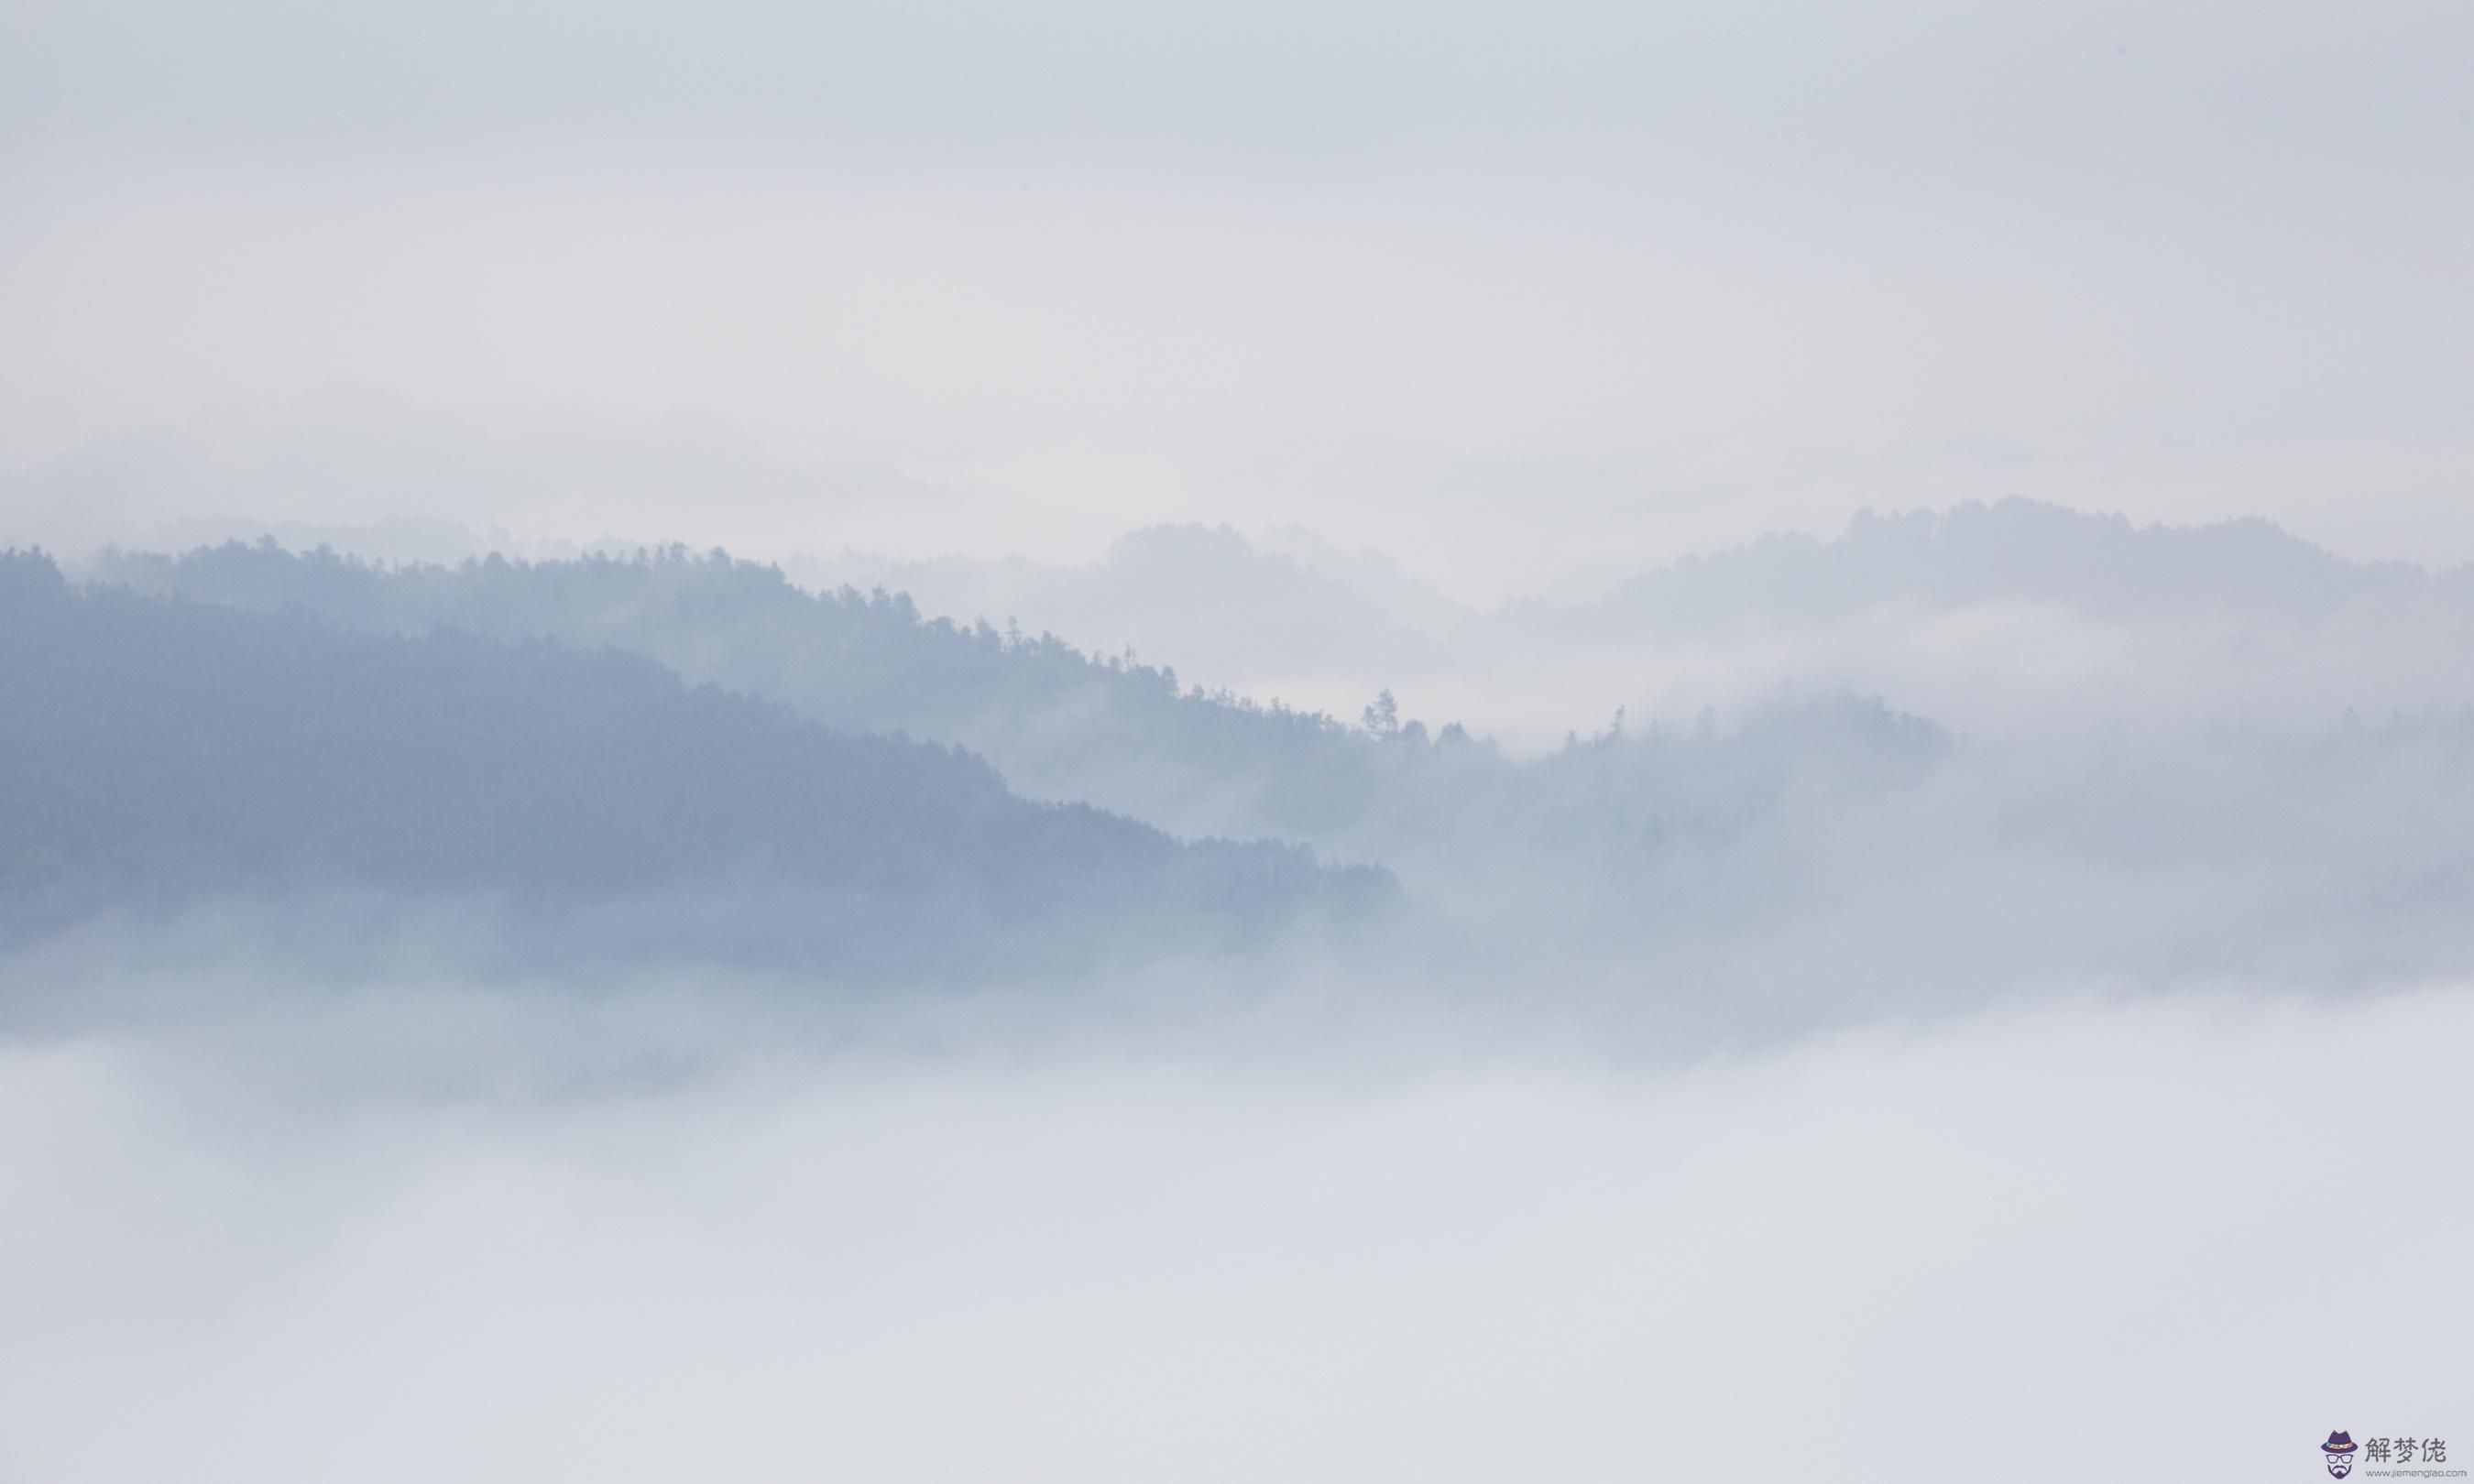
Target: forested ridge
{"x":166,"y":747}
{"x":1060,"y":724}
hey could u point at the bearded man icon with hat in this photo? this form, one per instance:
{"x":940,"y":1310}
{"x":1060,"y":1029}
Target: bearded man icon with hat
{"x":2339,"y":1449}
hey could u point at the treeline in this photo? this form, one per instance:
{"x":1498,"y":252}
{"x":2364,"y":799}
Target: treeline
{"x":161,"y":749}
{"x":1062,"y":723}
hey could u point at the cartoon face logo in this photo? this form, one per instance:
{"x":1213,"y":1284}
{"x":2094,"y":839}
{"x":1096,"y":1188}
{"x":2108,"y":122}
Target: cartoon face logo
{"x":2340,"y":1452}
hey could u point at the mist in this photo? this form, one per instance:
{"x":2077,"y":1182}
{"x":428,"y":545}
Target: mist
{"x":2039,"y":1236}
{"x":626,"y":1011}
{"x":971,"y":741}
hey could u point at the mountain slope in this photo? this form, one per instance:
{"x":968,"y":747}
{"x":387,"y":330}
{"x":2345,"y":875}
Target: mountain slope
{"x":1057,"y":723}
{"x":172,"y":749}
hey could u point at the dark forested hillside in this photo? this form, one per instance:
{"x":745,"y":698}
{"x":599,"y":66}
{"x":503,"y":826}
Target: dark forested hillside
{"x":1058,"y":723}
{"x":171,"y":747}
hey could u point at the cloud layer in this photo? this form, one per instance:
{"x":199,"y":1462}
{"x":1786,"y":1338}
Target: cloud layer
{"x":2194,"y":1231}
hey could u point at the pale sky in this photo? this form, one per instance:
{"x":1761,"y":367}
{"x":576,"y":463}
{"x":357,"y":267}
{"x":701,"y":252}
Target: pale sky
{"x":1509,"y":293}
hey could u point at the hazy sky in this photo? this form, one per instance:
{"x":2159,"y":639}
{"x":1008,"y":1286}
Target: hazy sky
{"x":1508,"y":293}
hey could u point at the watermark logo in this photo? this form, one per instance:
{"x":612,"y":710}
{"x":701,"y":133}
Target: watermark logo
{"x":2388,"y":1457}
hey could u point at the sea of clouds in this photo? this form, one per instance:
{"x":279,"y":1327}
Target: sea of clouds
{"x":396,"y":1233}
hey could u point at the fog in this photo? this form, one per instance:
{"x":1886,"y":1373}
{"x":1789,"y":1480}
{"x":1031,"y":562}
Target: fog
{"x":627,"y":1013}
{"x":2014,"y":619}
{"x":1930,"y":760}
{"x":2031,"y":1242}
{"x":960,"y":741}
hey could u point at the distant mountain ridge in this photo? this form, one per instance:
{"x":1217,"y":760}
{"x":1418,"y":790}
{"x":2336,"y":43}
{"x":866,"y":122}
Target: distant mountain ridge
{"x":2011,"y":550}
{"x":1205,"y":596}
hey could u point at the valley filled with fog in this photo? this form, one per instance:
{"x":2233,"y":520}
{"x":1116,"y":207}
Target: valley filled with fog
{"x":1290,"y":742}
{"x":1093,"y":1263}
{"x":875,"y":1034}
